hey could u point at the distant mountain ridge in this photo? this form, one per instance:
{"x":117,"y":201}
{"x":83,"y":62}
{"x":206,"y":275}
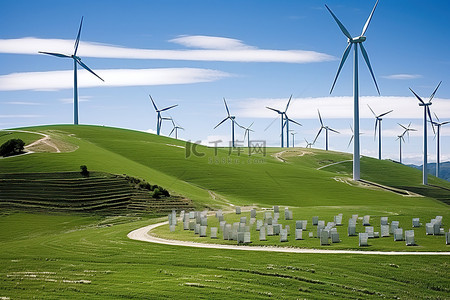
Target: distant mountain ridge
{"x":444,"y":171}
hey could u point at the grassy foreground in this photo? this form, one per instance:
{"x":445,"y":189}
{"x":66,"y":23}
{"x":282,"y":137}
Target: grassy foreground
{"x":66,"y":257}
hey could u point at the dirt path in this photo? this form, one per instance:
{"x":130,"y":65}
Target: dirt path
{"x":142,"y":234}
{"x":339,"y":162}
{"x":46,"y":140}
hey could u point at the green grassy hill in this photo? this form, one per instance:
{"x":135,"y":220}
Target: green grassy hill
{"x":70,"y":256}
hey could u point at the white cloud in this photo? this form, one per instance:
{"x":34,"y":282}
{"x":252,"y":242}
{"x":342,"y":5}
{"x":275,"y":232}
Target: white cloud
{"x":341,"y":107}
{"x":23,"y":103}
{"x":70,"y":100}
{"x":402,"y":76}
{"x":55,"y":80}
{"x":218,"y":49}
{"x":210,"y":42}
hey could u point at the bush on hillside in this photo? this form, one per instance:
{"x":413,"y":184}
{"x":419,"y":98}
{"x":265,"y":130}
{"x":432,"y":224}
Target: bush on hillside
{"x":156,"y":194}
{"x":84,"y":171}
{"x":12,"y":147}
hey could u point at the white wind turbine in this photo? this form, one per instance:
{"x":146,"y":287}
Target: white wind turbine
{"x":401,"y":138}
{"x":426,"y":112}
{"x":76,"y":61}
{"x":378,"y":119}
{"x":322,"y":126}
{"x":356,"y":41}
{"x":438,"y":124}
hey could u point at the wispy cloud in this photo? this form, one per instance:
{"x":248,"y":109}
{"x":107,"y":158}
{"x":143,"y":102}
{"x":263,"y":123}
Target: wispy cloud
{"x":70,"y":100}
{"x":23,"y":103}
{"x":210,"y":42}
{"x":340,"y":107}
{"x":402,"y":76}
{"x":211,"y":49}
{"x":56,"y":80}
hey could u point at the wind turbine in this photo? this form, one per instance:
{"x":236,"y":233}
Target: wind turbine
{"x":308,"y":144}
{"x":76,"y":61}
{"x":322,"y":126}
{"x":356,"y":41}
{"x":159,"y":119}
{"x":175,"y":128}
{"x":353,"y":134}
{"x":426,"y":111}
{"x":378,"y":119}
{"x":283,"y":122}
{"x":438,"y":124}
{"x":293,"y":133}
{"x":401,"y":137}
{"x":247,"y":133}
{"x":233,"y":121}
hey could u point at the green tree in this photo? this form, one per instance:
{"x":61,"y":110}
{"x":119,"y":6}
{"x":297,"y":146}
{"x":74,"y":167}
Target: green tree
{"x":12,"y":147}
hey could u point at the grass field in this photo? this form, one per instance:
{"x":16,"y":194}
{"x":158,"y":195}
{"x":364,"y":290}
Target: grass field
{"x":89,"y":256}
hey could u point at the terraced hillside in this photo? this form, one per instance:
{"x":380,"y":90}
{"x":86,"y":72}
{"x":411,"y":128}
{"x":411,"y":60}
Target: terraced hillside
{"x":70,"y":192}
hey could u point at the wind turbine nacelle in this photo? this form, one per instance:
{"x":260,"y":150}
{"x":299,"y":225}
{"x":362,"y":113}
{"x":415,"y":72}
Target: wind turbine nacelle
{"x":358,"y":39}
{"x":233,"y":117}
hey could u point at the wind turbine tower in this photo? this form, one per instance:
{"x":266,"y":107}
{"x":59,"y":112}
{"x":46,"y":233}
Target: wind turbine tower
{"x":233,"y":121}
{"x":356,"y":42}
{"x":426,"y":112}
{"x":322,"y":126}
{"x":76,"y":61}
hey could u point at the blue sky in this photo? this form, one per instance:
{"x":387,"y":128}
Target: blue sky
{"x":253,"y":53}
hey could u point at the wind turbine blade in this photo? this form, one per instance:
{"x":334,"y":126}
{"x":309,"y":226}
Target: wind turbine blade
{"x":366,"y":58}
{"x":167,"y":108}
{"x":87,"y":68}
{"x":250,"y":125}
{"x":287,"y":105}
{"x":417,"y":96}
{"x":375,"y":132}
{"x":226,"y":106}
{"x":385,"y":113}
{"x":221,"y":122}
{"x":429,"y":115}
{"x":369,"y":19}
{"x":344,"y":57}
{"x":372,"y":111}
{"x":436,"y":117}
{"x":245,"y":134}
{"x":402,"y":126}
{"x":295,"y":122}
{"x":77,"y":41}
{"x":55,"y":54}
{"x":276,"y":110}
{"x":446,"y":122}
{"x":315,"y":139}
{"x":351,"y":139}
{"x":154,"y":105}
{"x":331,"y":129}
{"x":341,"y":26}
{"x":172,"y":131}
{"x":432,"y":95}
{"x":320,"y":118}
{"x":271,"y":123}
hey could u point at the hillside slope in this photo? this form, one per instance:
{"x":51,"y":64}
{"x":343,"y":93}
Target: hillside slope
{"x":216,"y":176}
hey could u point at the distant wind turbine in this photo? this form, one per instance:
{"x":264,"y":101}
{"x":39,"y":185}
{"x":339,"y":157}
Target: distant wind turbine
{"x":247,"y":133}
{"x":233,"y":121}
{"x":293,"y":133}
{"x":175,"y":128}
{"x":308,"y":144}
{"x":378,"y":119}
{"x":353,"y":135}
{"x":284,"y":122}
{"x":426,"y":112}
{"x":401,"y":138}
{"x":438,"y":124}
{"x":76,"y":61}
{"x":322,"y":126}
{"x":159,"y":119}
{"x":355,"y":41}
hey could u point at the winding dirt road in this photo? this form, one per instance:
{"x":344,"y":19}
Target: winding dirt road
{"x":142,"y":234}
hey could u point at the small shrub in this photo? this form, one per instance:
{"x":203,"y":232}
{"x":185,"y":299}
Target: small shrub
{"x":12,"y":147}
{"x":84,"y":171}
{"x":156,"y":194}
